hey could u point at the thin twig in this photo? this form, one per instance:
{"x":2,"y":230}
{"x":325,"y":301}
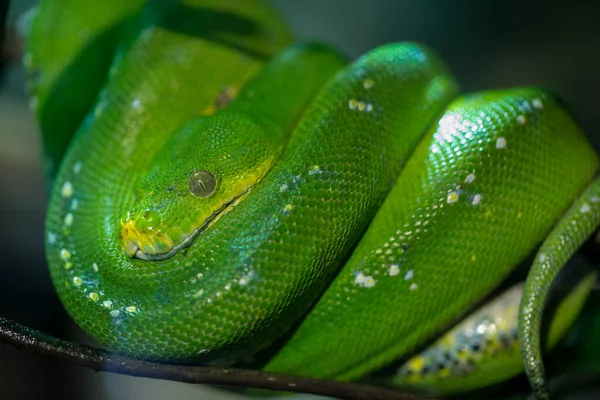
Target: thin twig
{"x":35,"y":342}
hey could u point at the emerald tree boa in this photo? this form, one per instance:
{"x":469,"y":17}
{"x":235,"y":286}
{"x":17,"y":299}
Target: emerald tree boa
{"x":219,"y":193}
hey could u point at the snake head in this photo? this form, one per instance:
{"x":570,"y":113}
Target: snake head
{"x":200,"y":174}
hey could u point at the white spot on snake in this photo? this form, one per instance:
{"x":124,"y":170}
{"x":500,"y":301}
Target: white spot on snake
{"x":74,"y":204}
{"x":68,"y":221}
{"x":283,"y":187}
{"x":435,"y":149}
{"x":131,"y":309}
{"x":77,"y":281}
{"x":95,"y":267}
{"x":246,"y":279}
{"x":368,"y":83}
{"x":198,"y":293}
{"x":595,"y":199}
{"x":107,"y":303}
{"x":521,"y":120}
{"x":470,"y":178}
{"x":585,"y":208}
{"x":359,"y":279}
{"x":394,"y":270}
{"x":136,"y":103}
{"x":202,"y":351}
{"x":66,"y":191}
{"x":51,"y":238}
{"x":65,"y":254}
{"x":414,"y":286}
{"x":115,"y":313}
{"x":314,"y":170}
{"x":353,"y":104}
{"x":500,"y":143}
{"x":543,"y":257}
{"x":452,"y":197}
{"x":77,"y":167}
{"x":409,"y":275}
{"x":94,"y":296}
{"x":476,"y":199}
{"x":378,"y":251}
{"x":364,"y":280}
{"x":537,"y":103}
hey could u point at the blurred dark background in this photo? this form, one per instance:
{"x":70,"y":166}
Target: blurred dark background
{"x":488,"y":44}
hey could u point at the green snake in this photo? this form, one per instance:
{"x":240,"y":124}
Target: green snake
{"x":219,"y":193}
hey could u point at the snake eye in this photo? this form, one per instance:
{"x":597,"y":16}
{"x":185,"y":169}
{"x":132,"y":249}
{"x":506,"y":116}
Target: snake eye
{"x":202,"y":183}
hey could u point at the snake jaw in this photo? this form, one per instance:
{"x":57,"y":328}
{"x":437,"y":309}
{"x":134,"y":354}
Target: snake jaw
{"x":144,"y":243}
{"x":130,"y":248}
{"x":150,"y":245}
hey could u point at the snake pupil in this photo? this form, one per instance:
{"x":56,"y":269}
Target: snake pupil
{"x":202,"y":183}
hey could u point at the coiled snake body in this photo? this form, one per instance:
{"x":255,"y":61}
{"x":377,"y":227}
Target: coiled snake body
{"x":211,"y":199}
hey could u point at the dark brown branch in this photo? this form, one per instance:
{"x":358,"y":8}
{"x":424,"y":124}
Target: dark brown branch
{"x":38,"y":343}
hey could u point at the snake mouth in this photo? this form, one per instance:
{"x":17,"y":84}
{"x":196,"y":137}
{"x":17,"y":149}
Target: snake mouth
{"x":133,"y":237}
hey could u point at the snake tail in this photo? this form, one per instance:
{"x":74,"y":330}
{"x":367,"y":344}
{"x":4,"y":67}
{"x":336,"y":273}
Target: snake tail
{"x":576,"y":226}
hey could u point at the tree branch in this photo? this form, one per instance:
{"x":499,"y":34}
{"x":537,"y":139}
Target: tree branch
{"x":35,"y":342}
